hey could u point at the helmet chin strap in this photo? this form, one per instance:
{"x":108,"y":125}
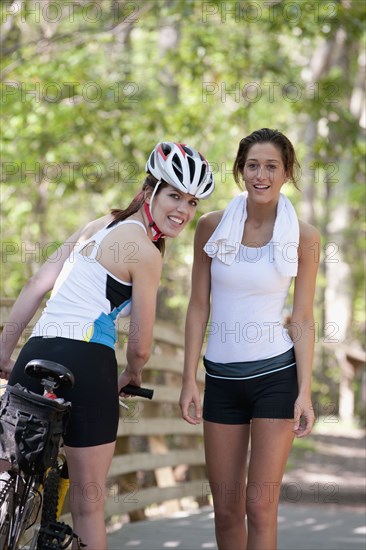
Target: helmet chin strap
{"x":156,"y":233}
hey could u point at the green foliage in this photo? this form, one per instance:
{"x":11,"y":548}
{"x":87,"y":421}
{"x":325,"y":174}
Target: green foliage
{"x":87,"y":91}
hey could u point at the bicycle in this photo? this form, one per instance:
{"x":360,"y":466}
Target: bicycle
{"x":29,"y":467}
{"x":31,"y":428}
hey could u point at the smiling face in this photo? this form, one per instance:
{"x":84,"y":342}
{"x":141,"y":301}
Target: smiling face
{"x":172,"y":210}
{"x":264,"y":173}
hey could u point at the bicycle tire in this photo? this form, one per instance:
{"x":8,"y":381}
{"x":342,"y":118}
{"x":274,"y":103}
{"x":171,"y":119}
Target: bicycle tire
{"x":18,"y":501}
{"x":7,"y":498}
{"x":50,"y":503}
{"x":30,"y":514}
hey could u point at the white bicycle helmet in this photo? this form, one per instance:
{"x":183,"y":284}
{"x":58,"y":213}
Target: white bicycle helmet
{"x":182,"y":167}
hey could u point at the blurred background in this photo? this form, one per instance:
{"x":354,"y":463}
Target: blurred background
{"x":89,"y":87}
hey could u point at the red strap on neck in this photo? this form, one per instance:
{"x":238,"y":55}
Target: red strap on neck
{"x":157,"y":234}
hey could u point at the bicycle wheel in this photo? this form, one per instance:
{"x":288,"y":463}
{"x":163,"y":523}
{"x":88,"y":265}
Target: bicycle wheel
{"x":50,"y":501}
{"x":7,"y":497}
{"x":19,"y":506}
{"x":54,"y":534}
{"x":31,"y":512}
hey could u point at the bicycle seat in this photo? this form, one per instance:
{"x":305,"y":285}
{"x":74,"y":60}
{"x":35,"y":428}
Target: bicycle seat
{"x":49,"y":370}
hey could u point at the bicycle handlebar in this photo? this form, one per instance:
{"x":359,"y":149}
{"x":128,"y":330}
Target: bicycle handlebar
{"x":130,"y":389}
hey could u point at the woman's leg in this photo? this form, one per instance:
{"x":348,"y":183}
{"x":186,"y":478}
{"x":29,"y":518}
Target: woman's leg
{"x":271,"y":441}
{"x":226,"y":447}
{"x":88,"y":470}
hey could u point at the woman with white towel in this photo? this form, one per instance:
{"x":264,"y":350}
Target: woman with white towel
{"x":258,"y":372}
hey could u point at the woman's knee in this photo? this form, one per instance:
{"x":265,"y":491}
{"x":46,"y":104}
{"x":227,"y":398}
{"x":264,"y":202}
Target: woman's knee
{"x":87,"y":498}
{"x":229,"y":515}
{"x":261,"y":512}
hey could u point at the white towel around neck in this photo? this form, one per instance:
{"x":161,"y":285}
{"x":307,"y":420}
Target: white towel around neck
{"x":225,"y":241}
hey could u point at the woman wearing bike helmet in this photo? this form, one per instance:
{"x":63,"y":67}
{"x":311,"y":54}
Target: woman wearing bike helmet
{"x":108,"y":269}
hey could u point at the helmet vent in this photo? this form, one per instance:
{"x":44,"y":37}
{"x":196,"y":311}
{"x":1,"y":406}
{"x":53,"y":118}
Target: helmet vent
{"x":203,"y":172}
{"x":207,"y":187}
{"x":177,"y":167}
{"x":192,"y":167}
{"x":187,"y":149}
{"x":166,"y":148}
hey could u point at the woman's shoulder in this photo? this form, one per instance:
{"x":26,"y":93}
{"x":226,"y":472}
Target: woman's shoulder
{"x":131,"y":233}
{"x":308,"y":232}
{"x":94,"y":226}
{"x":210,"y":220}
{"x":136,"y":253}
{"x":207,"y":224}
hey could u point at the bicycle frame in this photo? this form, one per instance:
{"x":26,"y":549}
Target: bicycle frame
{"x":20,"y":491}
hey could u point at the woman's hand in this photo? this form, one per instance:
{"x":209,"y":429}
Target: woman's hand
{"x":304,"y":417}
{"x":190,"y":399}
{"x":128,"y":377}
{"x":5,"y":368}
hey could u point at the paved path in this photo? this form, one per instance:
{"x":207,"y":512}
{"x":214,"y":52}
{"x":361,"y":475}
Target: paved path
{"x":315,"y":512}
{"x":300,"y":528}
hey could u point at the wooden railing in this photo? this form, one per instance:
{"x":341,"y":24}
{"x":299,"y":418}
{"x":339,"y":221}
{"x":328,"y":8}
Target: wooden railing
{"x":159,"y":457}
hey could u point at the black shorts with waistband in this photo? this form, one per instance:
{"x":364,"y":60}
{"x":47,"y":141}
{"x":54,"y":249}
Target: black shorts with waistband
{"x":94,"y":397}
{"x":269,"y":394}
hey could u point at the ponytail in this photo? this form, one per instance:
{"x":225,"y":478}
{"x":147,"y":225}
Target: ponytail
{"x":135,"y":205}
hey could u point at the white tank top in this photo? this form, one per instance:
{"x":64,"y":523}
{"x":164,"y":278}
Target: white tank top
{"x":248,"y":299}
{"x":87,"y":299}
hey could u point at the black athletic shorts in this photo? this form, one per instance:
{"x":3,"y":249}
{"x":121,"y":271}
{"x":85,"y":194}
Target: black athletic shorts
{"x":94,"y":397}
{"x":230,"y":401}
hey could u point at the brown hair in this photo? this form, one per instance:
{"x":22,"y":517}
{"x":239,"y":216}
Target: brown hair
{"x":135,"y":205}
{"x":279,"y":140}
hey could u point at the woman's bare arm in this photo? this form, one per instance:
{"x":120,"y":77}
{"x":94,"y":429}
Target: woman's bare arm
{"x":302,"y":330}
{"x":197,"y":317}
